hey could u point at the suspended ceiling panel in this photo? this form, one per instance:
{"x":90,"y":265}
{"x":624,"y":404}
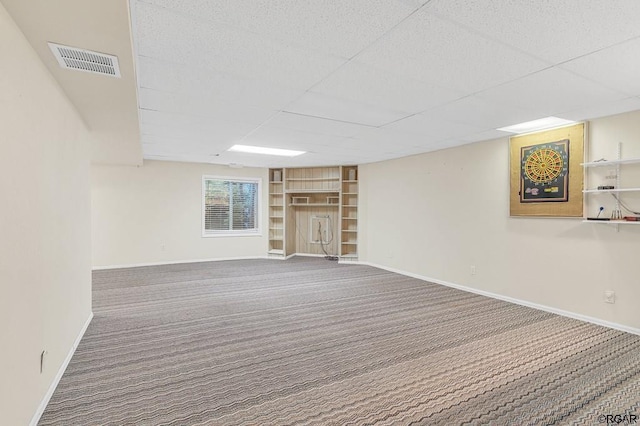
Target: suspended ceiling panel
{"x":348,"y":81}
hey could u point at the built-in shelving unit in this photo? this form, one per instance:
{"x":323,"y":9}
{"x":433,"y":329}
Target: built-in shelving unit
{"x":276,"y":212}
{"x":609,"y":173}
{"x":349,"y":213}
{"x":313,"y":211}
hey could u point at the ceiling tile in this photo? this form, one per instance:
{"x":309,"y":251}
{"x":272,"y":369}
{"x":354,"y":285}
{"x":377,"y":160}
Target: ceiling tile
{"x":476,"y":111}
{"x":339,"y":27}
{"x":289,"y":138}
{"x":172,"y":37}
{"x":433,"y":128}
{"x":361,"y":83}
{"x":485,"y":136}
{"x":175,"y":127}
{"x":390,"y":137}
{"x":603,"y":110}
{"x":196,"y":81}
{"x":617,"y":67}
{"x":317,"y":125}
{"x":319,"y":105}
{"x":550,"y":92}
{"x":199,"y":105}
{"x":436,"y":51}
{"x":553,"y":30}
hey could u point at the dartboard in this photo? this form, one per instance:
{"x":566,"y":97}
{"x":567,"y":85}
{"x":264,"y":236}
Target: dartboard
{"x":544,"y":165}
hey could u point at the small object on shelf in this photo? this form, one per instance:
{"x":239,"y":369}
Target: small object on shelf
{"x":598,"y":218}
{"x":601,"y":187}
{"x":632,"y":218}
{"x":616,"y":214}
{"x":352,"y":174}
{"x":277,"y":176}
{"x":299,"y":200}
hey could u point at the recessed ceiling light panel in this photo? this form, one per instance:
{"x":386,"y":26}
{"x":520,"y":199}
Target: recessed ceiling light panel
{"x":540,"y":124}
{"x":85,"y":60}
{"x":266,"y":151}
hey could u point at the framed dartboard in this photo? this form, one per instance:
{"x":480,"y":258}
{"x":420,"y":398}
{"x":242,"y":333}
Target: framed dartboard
{"x":544,"y":172}
{"x":546,"y":175}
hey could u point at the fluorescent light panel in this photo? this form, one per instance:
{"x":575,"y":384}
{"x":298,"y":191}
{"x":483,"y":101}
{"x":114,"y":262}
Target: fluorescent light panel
{"x":266,"y":151}
{"x":540,"y":124}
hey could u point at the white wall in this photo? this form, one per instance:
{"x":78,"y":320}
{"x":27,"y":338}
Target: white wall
{"x":437,"y":214}
{"x":152,"y":214}
{"x":45,"y":265}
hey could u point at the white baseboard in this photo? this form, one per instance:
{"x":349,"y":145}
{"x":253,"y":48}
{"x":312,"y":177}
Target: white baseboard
{"x":43,"y":404}
{"x":175,"y":262}
{"x":545,"y":308}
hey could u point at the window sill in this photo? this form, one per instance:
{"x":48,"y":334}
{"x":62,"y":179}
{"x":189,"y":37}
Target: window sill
{"x":231,"y":234}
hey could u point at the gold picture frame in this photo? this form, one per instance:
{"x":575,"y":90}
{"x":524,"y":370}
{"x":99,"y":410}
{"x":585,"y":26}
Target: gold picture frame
{"x":546,"y":176}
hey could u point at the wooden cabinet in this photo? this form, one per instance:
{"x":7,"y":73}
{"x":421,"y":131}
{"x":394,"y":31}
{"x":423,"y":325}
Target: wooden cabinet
{"x":313,"y":211}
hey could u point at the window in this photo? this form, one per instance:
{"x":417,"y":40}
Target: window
{"x":230,"y":206}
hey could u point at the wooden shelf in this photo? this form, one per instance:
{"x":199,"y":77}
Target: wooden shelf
{"x":349,"y":218}
{"x":348,"y":230}
{"x":312,"y":179}
{"x":349,"y":243}
{"x":349,"y":181}
{"x":315,"y":205}
{"x":312,"y":191}
{"x":275,"y":251}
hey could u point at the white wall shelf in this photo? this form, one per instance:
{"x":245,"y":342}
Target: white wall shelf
{"x":611,"y":162}
{"x":618,"y":209}
{"x":612,"y":222}
{"x":595,"y":191}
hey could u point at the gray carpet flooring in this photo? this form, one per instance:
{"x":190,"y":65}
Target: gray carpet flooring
{"x":308,"y":341}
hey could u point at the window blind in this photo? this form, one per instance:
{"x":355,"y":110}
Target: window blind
{"x":230,"y":206}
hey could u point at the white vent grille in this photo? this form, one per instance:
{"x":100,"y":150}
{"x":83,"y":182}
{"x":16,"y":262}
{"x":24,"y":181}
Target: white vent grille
{"x":85,"y":60}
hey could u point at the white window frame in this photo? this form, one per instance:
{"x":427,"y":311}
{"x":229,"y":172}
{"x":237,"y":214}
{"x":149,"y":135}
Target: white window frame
{"x":256,"y":232}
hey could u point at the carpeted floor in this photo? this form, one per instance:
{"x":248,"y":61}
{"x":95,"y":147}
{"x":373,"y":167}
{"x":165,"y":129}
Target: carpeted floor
{"x":308,"y":341}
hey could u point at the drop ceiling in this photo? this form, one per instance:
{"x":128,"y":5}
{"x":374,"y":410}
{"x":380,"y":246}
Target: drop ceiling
{"x":361,"y":81}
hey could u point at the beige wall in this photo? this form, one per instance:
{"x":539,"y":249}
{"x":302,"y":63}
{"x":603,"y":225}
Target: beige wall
{"x":45,"y":265}
{"x":437,"y":214}
{"x":152,"y":214}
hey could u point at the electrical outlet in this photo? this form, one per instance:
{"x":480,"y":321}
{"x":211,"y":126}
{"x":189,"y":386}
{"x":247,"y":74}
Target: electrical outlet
{"x":473,"y":269}
{"x":609,"y":296}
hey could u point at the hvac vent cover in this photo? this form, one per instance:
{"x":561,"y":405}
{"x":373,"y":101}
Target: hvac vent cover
{"x":85,"y":60}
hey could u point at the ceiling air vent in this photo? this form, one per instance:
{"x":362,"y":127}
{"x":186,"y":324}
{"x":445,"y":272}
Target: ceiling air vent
{"x":85,"y":60}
